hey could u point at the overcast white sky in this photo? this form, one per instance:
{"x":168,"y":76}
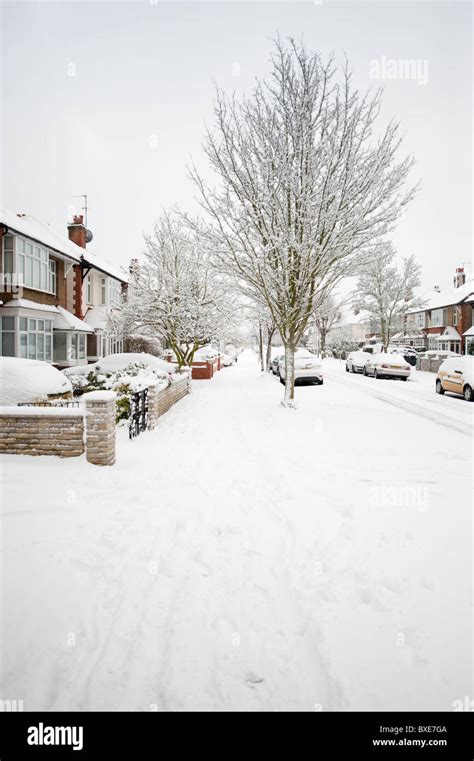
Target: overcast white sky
{"x":110,"y":99}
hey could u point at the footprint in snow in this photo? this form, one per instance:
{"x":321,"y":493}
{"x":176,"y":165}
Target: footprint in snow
{"x":252,"y":680}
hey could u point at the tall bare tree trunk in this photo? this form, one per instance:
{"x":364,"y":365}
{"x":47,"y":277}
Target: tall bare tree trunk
{"x":289,"y":398}
{"x":260,"y":347}
{"x":268,"y":360}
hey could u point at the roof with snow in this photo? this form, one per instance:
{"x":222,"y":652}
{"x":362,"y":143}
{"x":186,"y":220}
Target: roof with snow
{"x":63,"y":320}
{"x":449,"y":333}
{"x":41,"y":232}
{"x":68,"y":321}
{"x":469,"y":331}
{"x":27,"y":304}
{"x":98,"y":317}
{"x":446,"y":298}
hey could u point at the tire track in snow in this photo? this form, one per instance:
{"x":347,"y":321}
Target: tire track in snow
{"x":415,"y":409}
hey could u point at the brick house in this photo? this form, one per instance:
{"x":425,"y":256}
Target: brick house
{"x":445,"y":322}
{"x":57,"y":297}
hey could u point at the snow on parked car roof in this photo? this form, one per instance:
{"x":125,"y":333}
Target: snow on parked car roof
{"x":113,"y":362}
{"x":384,"y":357}
{"x":29,"y":380}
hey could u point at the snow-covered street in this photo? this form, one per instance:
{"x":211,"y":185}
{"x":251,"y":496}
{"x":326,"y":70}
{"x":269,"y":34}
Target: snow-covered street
{"x":247,"y":556}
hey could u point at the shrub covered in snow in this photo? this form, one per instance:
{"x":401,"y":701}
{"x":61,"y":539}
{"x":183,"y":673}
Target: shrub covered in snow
{"x":28,"y":380}
{"x":124,"y":381}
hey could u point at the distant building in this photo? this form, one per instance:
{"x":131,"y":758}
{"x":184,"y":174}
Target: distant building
{"x":445,"y":323}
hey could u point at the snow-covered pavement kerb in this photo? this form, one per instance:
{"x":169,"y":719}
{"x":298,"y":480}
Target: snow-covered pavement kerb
{"x":244,"y":556}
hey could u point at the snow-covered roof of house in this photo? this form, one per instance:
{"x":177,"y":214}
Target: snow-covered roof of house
{"x":41,"y":232}
{"x":98,"y":317}
{"x":63,"y":320}
{"x":27,"y":304}
{"x":449,"y":333}
{"x":68,"y":321}
{"x":447,"y":297}
{"x":469,"y":331}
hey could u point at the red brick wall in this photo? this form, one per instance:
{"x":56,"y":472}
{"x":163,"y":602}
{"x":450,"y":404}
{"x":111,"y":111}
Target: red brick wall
{"x":202,"y":371}
{"x":77,"y":291}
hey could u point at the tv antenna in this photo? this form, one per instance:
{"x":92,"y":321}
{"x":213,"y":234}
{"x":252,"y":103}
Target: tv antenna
{"x":84,"y":208}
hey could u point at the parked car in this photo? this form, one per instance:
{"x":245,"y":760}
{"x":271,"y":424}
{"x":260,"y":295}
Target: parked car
{"x":356,"y":361}
{"x":308,"y":367}
{"x":456,"y":375}
{"x":227,"y":360}
{"x":275,"y":363}
{"x":408,"y":353}
{"x":26,"y":381}
{"x":385,"y":365}
{"x":231,"y":351}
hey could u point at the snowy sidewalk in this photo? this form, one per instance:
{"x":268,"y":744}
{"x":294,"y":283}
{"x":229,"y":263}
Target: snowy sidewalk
{"x":244,"y":556}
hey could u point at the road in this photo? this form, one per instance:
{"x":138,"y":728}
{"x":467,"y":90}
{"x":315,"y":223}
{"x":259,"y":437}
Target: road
{"x":247,"y":556}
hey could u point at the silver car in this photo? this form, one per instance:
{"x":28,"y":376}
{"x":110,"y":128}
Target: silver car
{"x":387,"y":366}
{"x":356,"y":361}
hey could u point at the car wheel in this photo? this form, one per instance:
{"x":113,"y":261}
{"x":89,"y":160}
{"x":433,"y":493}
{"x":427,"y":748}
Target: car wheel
{"x":347,"y":369}
{"x":439,"y":387}
{"x":376,"y":375}
{"x":404,"y":378}
{"x":352,"y":369}
{"x":281,"y":380}
{"x":468,"y":395}
{"x":364,"y":372}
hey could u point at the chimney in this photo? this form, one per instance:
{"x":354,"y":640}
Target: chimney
{"x":459,"y":277}
{"x":77,"y":230}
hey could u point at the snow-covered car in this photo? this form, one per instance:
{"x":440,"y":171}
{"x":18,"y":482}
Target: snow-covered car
{"x":386,"y":365}
{"x":408,"y":353}
{"x":24,"y":381}
{"x":308,"y":367}
{"x":115,"y":362}
{"x":356,"y":361}
{"x":227,"y":360}
{"x":456,"y":375}
{"x":275,"y":363}
{"x":231,"y":351}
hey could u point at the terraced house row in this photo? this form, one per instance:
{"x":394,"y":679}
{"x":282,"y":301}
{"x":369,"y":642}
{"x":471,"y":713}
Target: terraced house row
{"x":59,"y":301}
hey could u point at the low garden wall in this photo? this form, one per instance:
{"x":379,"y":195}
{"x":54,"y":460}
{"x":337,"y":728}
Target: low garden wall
{"x":62,"y":431}
{"x":160,"y":400}
{"x":42,"y":430}
{"x":71,"y":431}
{"x":429,"y":364}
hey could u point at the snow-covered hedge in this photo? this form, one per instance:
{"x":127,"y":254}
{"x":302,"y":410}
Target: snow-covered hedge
{"x":124,"y":381}
{"x":28,"y":380}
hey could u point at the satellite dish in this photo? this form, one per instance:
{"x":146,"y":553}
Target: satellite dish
{"x":89,"y":236}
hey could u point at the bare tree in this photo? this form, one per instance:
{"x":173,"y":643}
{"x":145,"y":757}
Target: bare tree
{"x":386,"y":290}
{"x":325,"y":316}
{"x":303,"y":187}
{"x":175,"y":294}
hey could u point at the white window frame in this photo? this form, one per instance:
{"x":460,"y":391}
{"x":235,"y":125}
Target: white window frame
{"x":34,"y":329}
{"x":438,"y":318}
{"x":9,"y":331}
{"x":88,"y":289}
{"x":31,"y":261}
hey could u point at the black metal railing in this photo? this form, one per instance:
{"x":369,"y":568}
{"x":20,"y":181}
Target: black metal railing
{"x":138,"y":420}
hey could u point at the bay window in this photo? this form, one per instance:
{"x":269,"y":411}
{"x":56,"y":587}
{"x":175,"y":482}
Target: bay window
{"x":7,"y":336}
{"x":36,"y":339}
{"x":32,"y":263}
{"x":69,"y":346}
